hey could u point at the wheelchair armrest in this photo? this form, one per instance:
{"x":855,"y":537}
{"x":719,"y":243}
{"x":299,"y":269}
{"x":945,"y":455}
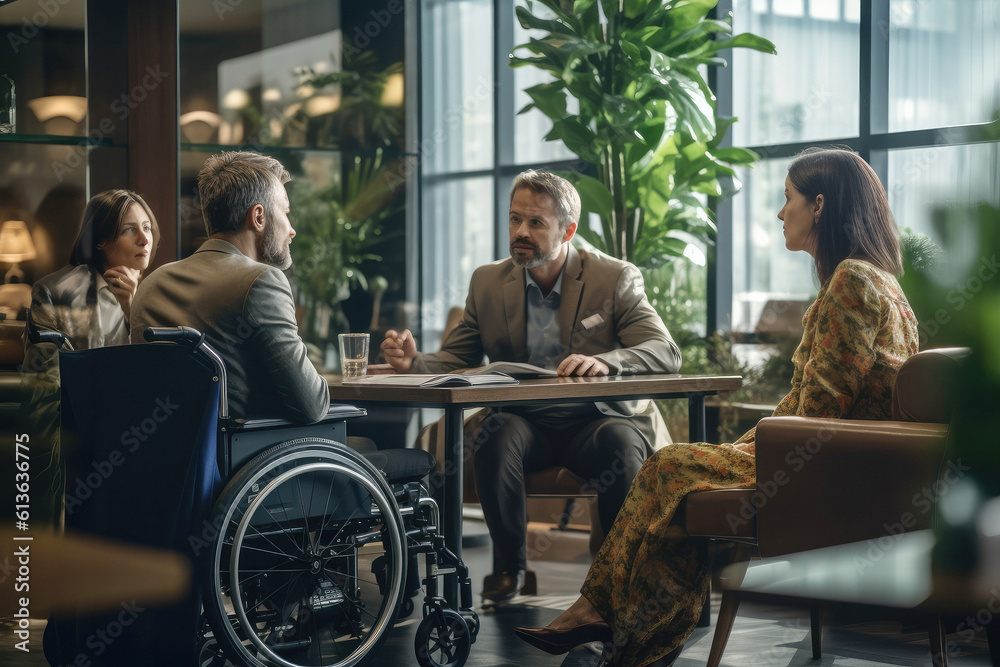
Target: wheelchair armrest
{"x":336,"y":413}
{"x":823,"y":482}
{"x":187,"y":335}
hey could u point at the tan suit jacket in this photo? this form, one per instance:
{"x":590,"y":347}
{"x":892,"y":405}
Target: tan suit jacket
{"x":603,"y":313}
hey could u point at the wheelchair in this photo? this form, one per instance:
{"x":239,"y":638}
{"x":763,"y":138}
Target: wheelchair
{"x":309,"y":553}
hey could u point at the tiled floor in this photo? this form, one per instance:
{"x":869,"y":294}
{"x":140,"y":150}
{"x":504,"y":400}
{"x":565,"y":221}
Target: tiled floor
{"x":764,"y":635}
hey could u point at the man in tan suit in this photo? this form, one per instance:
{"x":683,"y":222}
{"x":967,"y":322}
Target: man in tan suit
{"x":578,"y":312}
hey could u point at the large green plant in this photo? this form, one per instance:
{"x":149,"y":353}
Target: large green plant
{"x":338,"y":228}
{"x":644,"y":116}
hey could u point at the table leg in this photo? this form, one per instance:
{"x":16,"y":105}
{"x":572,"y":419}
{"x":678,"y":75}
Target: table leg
{"x":451,"y":513}
{"x":696,"y":418}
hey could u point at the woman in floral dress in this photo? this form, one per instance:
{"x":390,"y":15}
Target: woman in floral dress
{"x":646,"y":586}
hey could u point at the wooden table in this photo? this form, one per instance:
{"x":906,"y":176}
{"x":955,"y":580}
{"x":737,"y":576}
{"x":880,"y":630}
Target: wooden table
{"x":533,"y":391}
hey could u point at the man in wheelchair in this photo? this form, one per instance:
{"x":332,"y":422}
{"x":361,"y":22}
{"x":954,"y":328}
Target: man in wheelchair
{"x":233,"y":290}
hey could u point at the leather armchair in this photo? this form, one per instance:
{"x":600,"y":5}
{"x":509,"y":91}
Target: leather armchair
{"x":823,"y":482}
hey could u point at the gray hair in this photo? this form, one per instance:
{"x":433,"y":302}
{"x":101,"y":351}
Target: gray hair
{"x":232,"y":183}
{"x":563,"y":193}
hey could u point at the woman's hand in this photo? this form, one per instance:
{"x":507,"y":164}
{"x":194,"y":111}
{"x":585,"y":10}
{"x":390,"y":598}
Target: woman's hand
{"x":123,"y":282}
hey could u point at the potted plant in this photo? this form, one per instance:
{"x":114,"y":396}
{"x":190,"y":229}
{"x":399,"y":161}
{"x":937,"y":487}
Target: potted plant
{"x":339,"y":228}
{"x":627,"y":97}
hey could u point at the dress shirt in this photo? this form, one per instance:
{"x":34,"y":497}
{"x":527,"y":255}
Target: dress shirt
{"x":544,"y":346}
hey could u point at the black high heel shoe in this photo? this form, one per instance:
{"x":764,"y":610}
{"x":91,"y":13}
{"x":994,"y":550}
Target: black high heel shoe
{"x":558,"y":642}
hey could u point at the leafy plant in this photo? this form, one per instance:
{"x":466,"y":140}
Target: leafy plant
{"x":644,"y":116}
{"x":363,"y":118}
{"x":338,"y":229}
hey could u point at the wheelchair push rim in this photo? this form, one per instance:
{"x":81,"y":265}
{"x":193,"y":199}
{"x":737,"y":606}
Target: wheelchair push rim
{"x":303,"y":524}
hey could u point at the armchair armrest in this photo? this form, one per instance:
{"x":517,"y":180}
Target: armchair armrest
{"x":822,"y":482}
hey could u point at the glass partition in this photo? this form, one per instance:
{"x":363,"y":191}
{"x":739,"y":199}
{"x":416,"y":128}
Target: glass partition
{"x":320,"y":86}
{"x":44,"y":145}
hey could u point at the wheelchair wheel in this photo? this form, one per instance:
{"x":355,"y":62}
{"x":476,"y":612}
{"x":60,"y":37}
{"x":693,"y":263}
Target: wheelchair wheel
{"x":442,"y":640}
{"x":291,"y":580}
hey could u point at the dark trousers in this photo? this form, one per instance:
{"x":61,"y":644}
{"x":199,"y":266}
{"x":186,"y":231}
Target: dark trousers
{"x":607,"y":452}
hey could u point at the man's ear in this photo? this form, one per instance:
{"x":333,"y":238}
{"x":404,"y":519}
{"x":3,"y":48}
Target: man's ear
{"x":255,"y":219}
{"x":570,"y":231}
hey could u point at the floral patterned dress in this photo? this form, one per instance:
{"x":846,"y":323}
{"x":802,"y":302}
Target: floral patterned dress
{"x":648,"y":580}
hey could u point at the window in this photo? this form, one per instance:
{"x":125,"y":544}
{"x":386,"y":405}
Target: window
{"x":904,"y":83}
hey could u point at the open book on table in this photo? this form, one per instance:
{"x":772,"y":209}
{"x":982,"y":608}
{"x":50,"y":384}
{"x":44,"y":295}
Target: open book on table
{"x":497,"y":373}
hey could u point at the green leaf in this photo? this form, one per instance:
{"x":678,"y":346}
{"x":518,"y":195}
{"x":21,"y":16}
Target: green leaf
{"x":694,"y":111}
{"x":687,"y":13}
{"x":577,"y":137}
{"x":707,"y":27}
{"x":594,"y":195}
{"x":630,"y":49}
{"x":549,"y":98}
{"x":529,"y":21}
{"x":748,"y":40}
{"x":736,"y":155}
{"x":635,"y":8}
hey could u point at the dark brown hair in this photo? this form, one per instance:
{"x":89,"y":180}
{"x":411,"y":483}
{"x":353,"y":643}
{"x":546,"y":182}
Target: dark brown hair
{"x":855,"y":222}
{"x":102,"y":222}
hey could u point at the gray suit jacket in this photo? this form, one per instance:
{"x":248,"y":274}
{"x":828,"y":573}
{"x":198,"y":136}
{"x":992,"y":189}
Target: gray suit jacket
{"x":246,"y":311}
{"x":603,"y":313}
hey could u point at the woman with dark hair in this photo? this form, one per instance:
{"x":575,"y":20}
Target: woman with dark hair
{"x":645,"y":588}
{"x":89,"y":300}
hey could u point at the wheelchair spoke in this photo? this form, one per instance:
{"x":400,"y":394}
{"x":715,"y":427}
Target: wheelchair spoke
{"x":326,"y":513}
{"x":350,"y":516}
{"x":282,"y":554}
{"x":255,"y":574}
{"x":274,"y":592}
{"x":277,"y":549}
{"x":306,"y":537}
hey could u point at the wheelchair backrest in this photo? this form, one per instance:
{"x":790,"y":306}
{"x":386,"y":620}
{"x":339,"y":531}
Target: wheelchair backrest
{"x":139,"y":426}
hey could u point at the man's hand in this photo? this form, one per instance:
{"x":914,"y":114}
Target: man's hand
{"x":122,"y":281}
{"x":578,"y":364}
{"x":399,"y":350}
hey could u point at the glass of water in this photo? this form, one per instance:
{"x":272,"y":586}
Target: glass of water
{"x":353,"y":355}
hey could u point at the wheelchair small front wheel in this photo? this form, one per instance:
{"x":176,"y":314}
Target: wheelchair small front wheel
{"x":442,"y":640}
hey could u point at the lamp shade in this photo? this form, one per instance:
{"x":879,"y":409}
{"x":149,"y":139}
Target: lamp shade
{"x":15,"y":242}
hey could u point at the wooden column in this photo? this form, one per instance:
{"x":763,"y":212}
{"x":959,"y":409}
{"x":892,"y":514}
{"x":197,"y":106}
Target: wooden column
{"x":133,"y":106}
{"x":154,"y":141}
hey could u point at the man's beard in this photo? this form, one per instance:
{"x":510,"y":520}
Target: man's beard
{"x":536,"y":260}
{"x":273,"y":250}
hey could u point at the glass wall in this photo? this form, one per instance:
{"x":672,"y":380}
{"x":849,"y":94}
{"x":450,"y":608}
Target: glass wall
{"x":910,"y":104}
{"x":319,"y":85}
{"x":44,"y":150}
{"x":472,"y":144}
